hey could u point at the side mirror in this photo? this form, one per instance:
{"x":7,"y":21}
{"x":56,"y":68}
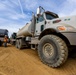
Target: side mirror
{"x":38,"y":11}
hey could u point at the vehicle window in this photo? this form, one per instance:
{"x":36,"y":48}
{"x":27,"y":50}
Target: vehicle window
{"x":40,"y":19}
{"x":3,"y":33}
{"x":42,"y":27}
{"x":6,"y":32}
{"x":50,"y":17}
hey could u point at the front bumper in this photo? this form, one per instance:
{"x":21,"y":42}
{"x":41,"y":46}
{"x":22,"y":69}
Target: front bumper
{"x":71,"y":36}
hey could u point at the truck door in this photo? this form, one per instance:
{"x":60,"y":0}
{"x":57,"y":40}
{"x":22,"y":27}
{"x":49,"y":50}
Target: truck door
{"x":39,"y":25}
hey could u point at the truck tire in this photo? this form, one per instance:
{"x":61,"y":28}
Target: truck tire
{"x":0,"y":43}
{"x":20,"y":43}
{"x":52,"y":50}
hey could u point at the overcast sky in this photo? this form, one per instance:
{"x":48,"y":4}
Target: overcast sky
{"x":14,"y":14}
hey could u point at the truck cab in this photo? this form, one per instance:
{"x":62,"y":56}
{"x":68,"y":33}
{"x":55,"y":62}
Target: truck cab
{"x":3,"y":32}
{"x":42,"y":20}
{"x":13,"y":38}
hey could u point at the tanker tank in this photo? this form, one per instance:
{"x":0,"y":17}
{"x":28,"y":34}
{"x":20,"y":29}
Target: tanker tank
{"x":25,"y":31}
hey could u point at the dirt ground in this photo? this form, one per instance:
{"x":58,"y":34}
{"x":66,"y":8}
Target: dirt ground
{"x":27,"y":62}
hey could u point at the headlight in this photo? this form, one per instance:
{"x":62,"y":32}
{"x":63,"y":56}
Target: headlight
{"x":65,"y":28}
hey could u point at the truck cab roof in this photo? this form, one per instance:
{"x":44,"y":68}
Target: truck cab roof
{"x":51,"y":13}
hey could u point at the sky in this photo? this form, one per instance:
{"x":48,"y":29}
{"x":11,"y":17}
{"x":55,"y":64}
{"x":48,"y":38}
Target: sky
{"x":14,"y":14}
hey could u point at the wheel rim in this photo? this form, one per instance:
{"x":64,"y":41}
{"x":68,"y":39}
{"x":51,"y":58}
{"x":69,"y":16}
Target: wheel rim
{"x":48,"y":50}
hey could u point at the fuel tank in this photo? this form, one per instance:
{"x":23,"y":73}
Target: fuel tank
{"x":25,"y":31}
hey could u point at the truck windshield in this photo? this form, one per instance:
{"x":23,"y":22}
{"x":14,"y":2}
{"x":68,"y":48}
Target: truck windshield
{"x":50,"y":16}
{"x":3,"y":32}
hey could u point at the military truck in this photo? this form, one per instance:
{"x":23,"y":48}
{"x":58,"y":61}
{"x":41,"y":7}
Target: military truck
{"x":3,"y":32}
{"x":13,"y":38}
{"x":50,"y":35}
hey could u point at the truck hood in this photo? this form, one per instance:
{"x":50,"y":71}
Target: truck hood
{"x":69,"y":21}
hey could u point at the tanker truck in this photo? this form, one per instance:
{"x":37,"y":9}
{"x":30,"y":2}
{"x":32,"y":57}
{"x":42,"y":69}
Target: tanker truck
{"x":50,"y":35}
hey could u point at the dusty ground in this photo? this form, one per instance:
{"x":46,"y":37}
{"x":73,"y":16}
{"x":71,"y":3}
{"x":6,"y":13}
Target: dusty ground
{"x":27,"y":62}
